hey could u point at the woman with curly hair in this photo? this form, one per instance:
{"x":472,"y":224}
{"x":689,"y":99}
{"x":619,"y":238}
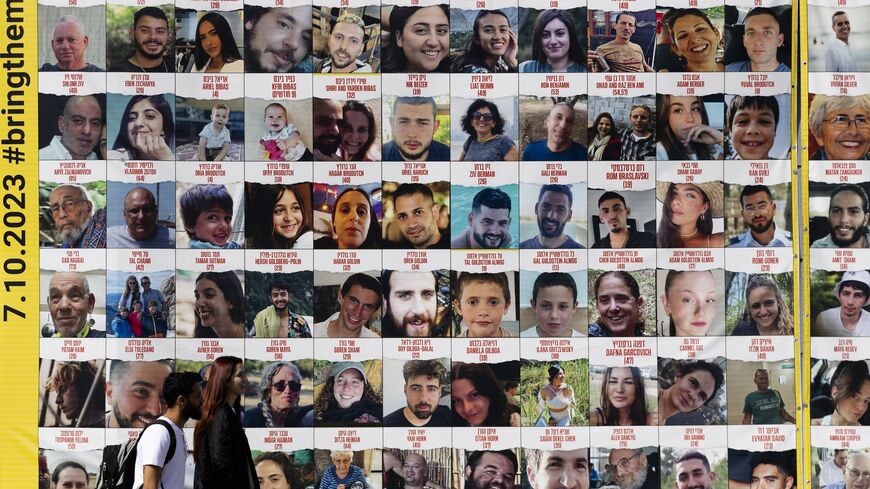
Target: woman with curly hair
{"x":80,"y":390}
{"x":766,"y":312}
{"x":604,"y":140}
{"x":279,"y":391}
{"x":478,"y":399}
{"x":694,"y":386}
{"x":216,"y":50}
{"x":623,"y":400}
{"x":348,"y":398}
{"x":486,"y":139}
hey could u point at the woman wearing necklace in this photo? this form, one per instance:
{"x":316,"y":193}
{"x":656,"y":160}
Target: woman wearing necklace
{"x":216,"y":50}
{"x":688,"y":210}
{"x":850,"y":395}
{"x":555,"y":399}
{"x":486,"y":139}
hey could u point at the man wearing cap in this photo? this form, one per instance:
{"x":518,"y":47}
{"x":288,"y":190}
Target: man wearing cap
{"x":848,"y":213}
{"x":849,"y":319}
{"x":359,"y":298}
{"x":351,"y":400}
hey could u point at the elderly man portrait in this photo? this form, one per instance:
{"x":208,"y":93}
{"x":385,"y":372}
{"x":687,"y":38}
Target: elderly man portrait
{"x":140,"y":228}
{"x":70,"y":303}
{"x":69,"y":41}
{"x":76,"y":223}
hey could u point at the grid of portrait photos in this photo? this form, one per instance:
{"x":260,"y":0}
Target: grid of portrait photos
{"x":490,"y":243}
{"x":837,"y":220}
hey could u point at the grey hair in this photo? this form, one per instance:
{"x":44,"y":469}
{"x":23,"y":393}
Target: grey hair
{"x":72,"y":19}
{"x":335,"y":454}
{"x":83,"y":193}
{"x":823,"y":104}
{"x":265,"y":388}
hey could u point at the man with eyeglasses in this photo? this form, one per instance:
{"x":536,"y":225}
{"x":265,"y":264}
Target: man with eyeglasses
{"x":856,"y":473}
{"x":76,"y":224}
{"x":761,"y":38}
{"x":758,"y":209}
{"x":765,"y":405}
{"x":140,"y":228}
{"x":558,"y":469}
{"x":485,"y":469}
{"x":629,"y":469}
{"x":838,"y":56}
{"x":149,"y":294}
{"x":840,"y":124}
{"x":80,"y":125}
{"x":277,"y":320}
{"x":848,"y":216}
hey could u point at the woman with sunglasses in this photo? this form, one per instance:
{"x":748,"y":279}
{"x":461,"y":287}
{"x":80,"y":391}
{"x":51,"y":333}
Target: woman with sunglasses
{"x":486,"y":139}
{"x":278,"y":407}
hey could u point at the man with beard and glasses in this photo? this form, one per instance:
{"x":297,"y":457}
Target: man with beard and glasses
{"x":553,"y":211}
{"x":411,"y":304}
{"x":773,"y":470}
{"x":347,"y":39}
{"x":277,"y":320}
{"x":856,"y":472}
{"x":558,"y":469}
{"x":76,"y":223}
{"x":614,"y":213}
{"x":151,"y":35}
{"x":416,"y":216}
{"x":414,"y":124}
{"x":327,"y":120}
{"x":488,"y":222}
{"x":135,"y":392}
{"x":558,"y":146}
{"x":848,"y":212}
{"x":485,"y":469}
{"x":850,"y":318}
{"x":629,"y":468}
{"x":140,"y":228}
{"x":277,"y":40}
{"x":758,"y":209}
{"x":692,"y":471}
{"x":183,"y":395}
{"x":423,"y":380}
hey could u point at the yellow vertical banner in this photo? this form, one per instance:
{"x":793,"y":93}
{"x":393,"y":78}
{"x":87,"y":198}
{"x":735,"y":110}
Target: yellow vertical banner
{"x":19,"y":251}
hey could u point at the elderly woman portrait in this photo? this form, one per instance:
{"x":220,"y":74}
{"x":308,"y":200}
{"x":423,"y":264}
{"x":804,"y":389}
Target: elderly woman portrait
{"x":342,"y":474}
{"x":840,"y":126}
{"x":278,"y":406}
{"x":80,"y":393}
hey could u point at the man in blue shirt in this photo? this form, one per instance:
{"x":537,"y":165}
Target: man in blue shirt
{"x":414,"y":125}
{"x":558,"y":146}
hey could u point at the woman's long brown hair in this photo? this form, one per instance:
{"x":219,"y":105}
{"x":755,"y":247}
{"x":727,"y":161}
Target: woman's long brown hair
{"x":214,"y":397}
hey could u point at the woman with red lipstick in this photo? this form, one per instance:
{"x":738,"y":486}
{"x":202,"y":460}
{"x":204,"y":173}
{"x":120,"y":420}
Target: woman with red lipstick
{"x":766,"y":312}
{"x":684,"y":130}
{"x":695,"y":40}
{"x":354,"y":223}
{"x":358,"y":132}
{"x":850,"y":395}
{"x":695,"y":385}
{"x":486,"y":139}
{"x":492,"y":47}
{"x":478,"y":399}
{"x":555,"y":399}
{"x":688,"y":210}
{"x":219,"y":306}
{"x":220,"y":447}
{"x":277,"y":217}
{"x":623,"y":400}
{"x":216,"y":50}
{"x":689,"y":300}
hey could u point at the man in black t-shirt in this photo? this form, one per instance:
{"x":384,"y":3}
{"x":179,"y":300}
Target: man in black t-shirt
{"x":422,"y":391}
{"x":151,"y":36}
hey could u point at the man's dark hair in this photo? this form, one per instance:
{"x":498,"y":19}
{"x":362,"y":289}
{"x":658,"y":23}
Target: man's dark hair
{"x":611,"y":195}
{"x":764,"y":11}
{"x":407,"y":189}
{"x":851,"y":187}
{"x":277,"y":283}
{"x":625,"y":12}
{"x":155,"y":12}
{"x":838,"y":12}
{"x":416,"y":101}
{"x":559,"y":189}
{"x":754,"y":189}
{"x":474,"y":457}
{"x":179,"y":384}
{"x":491,"y":197}
{"x":784,"y":461}
{"x":554,"y":279}
{"x":429,"y":368}
{"x":118,"y":368}
{"x":856,"y":285}
{"x":365,"y":281}
{"x":393,"y":330}
{"x":55,"y":474}
{"x":693,"y":455}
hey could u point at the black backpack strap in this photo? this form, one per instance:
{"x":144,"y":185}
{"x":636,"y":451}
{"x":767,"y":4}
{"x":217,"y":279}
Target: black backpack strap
{"x":171,"y":451}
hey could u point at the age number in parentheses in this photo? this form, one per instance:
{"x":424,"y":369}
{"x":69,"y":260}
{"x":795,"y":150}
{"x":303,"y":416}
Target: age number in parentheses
{"x":14,"y":237}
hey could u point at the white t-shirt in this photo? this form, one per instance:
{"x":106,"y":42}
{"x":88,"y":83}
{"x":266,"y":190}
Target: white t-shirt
{"x":152,"y":449}
{"x":828,"y":323}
